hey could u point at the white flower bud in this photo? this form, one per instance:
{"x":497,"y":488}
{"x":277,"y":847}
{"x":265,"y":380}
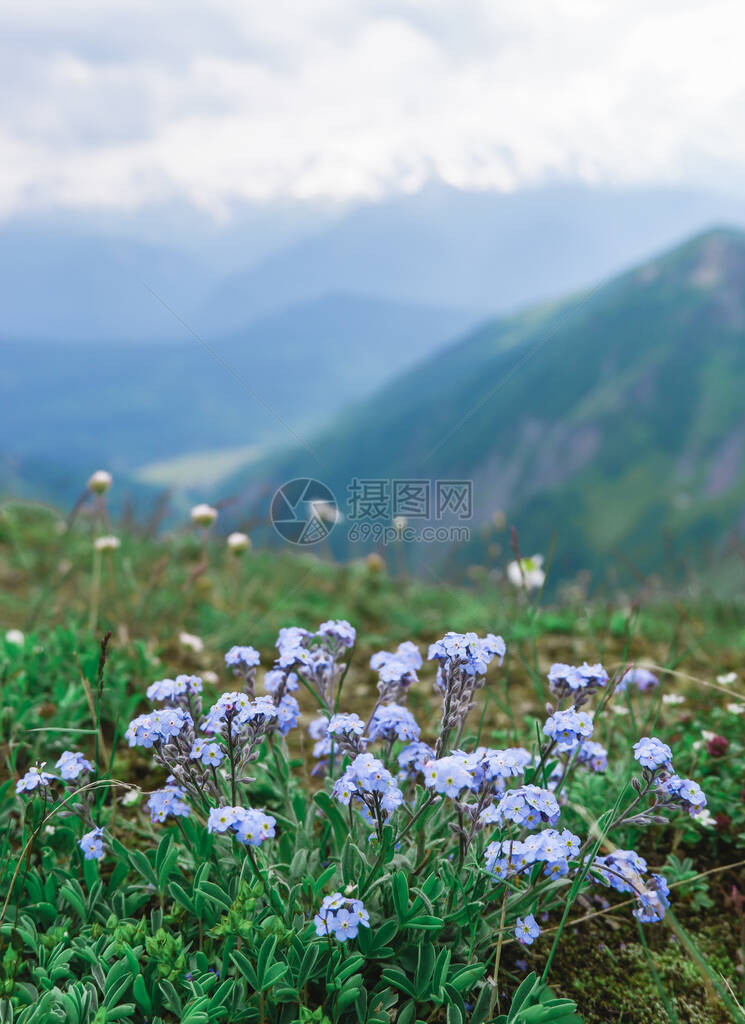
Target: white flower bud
{"x":528,"y":573}
{"x":15,"y":637}
{"x":191,"y":642}
{"x":203,"y":515}
{"x":100,"y":481}
{"x":238,"y":542}
{"x":108,"y":543}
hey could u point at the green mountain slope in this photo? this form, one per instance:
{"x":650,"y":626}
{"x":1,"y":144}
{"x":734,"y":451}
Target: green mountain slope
{"x":614,"y":420}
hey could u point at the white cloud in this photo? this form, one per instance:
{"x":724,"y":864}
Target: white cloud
{"x":122,"y":102}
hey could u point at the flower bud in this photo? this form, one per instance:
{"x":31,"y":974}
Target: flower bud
{"x":238,"y":543}
{"x":108,"y":543}
{"x":203,"y":515}
{"x":100,"y":481}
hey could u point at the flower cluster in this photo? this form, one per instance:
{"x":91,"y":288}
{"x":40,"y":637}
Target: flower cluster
{"x":340,"y":917}
{"x":165,"y":690}
{"x":462,"y":659}
{"x":244,"y":661}
{"x":683,"y":791}
{"x":549,"y":847}
{"x":593,"y":755}
{"x":369,"y":784}
{"x":393,"y":722}
{"x":397,"y":670}
{"x":577,"y":681}
{"x":624,"y":870}
{"x":317,"y":656}
{"x":568,"y":728}
{"x":232,"y":711}
{"x":167,"y":802}
{"x":72,"y":764}
{"x":652,"y":753}
{"x":639,"y":677}
{"x":34,"y":778}
{"x":250,"y":825}
{"x":527,"y":806}
{"x":468,"y":650}
{"x":448,"y":775}
{"x":158,"y":726}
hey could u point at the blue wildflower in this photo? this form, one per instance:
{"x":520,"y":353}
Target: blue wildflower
{"x":167,"y":802}
{"x":683,"y":791}
{"x":210,"y":754}
{"x":368,"y":782}
{"x":73,"y":764}
{"x":288,"y":713}
{"x":641,"y":678}
{"x":653,"y":901}
{"x":340,"y":917}
{"x":277,"y":679}
{"x":468,"y":651}
{"x":34,"y":778}
{"x":568,"y":728}
{"x":172,"y":689}
{"x":242,"y":657}
{"x":340,"y":631}
{"x":237,"y":709}
{"x":527,"y":930}
{"x":652,"y":753}
{"x":345,"y":725}
{"x":250,"y":825}
{"x":567,"y":679}
{"x":92,"y":844}
{"x":528,"y":806}
{"x":448,"y":776}
{"x":161,"y":725}
{"x":593,"y":755}
{"x":393,"y":722}
{"x":414,"y":757}
{"x":291,"y":642}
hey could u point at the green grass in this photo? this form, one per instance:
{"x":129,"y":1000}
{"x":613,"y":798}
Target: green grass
{"x":153,"y":590}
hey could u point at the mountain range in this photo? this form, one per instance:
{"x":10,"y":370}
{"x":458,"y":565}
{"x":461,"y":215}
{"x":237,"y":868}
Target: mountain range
{"x":128,"y":404}
{"x":612,"y":421}
{"x":98,"y":280}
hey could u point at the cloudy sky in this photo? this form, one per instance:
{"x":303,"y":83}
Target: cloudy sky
{"x":115,"y":104}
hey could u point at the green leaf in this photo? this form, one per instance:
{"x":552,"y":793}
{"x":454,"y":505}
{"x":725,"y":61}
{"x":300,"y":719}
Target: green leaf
{"x":397,"y":978}
{"x":246,"y":968}
{"x":425,"y":923}
{"x":338,"y":824}
{"x":141,"y":995}
{"x":306,"y":965}
{"x":400,"y":893}
{"x":265,"y":959}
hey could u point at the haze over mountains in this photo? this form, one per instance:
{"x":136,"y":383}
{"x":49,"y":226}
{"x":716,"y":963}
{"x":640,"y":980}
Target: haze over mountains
{"x":616,"y":422}
{"x":480,"y":252}
{"x":343,"y":331}
{"x":127,"y":404}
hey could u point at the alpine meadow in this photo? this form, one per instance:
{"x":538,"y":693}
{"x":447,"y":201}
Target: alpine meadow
{"x":372,"y":513}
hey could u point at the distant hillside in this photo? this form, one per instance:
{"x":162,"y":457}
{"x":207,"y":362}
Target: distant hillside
{"x":62,"y":285}
{"x":616,"y":421}
{"x":129,"y":404}
{"x":488,"y":251}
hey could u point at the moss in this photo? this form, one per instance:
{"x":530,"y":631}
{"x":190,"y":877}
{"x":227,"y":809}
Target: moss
{"x":605,"y":970}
